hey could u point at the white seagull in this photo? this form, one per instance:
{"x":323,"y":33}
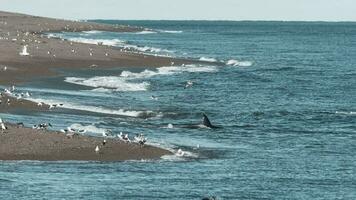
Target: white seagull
{"x":97,"y":149}
{"x":24,"y":51}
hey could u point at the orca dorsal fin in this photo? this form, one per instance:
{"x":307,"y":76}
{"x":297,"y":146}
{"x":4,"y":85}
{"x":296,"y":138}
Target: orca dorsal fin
{"x":206,"y":121}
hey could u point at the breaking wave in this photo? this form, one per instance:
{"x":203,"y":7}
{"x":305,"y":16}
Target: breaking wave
{"x":95,"y":109}
{"x":88,"y":128}
{"x":207,"y":59}
{"x":108,"y":82}
{"x":168,"y":71}
{"x":239,"y":63}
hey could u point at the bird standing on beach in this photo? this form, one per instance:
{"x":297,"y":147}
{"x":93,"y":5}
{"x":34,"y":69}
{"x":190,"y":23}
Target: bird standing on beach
{"x":2,"y":126}
{"x":24,"y":51}
{"x":97,"y":149}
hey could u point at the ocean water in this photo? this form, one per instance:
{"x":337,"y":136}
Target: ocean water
{"x":285,"y":99}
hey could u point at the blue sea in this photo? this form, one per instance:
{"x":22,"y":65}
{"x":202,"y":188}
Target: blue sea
{"x":285,"y":99}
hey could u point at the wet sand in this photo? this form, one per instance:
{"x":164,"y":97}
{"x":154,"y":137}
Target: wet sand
{"x":16,"y":104}
{"x":18,"y":143}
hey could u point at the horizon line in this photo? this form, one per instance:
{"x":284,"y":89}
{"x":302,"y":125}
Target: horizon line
{"x":222,"y":20}
{"x":208,"y":20}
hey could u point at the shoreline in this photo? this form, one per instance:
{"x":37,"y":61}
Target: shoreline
{"x":45,"y":58}
{"x":21,"y":143}
{"x":47,"y":54}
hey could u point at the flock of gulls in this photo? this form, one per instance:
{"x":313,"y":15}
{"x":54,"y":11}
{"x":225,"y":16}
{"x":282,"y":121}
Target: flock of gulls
{"x":69,"y":132}
{"x":32,"y":38}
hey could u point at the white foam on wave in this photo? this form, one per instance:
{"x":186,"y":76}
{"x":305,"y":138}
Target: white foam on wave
{"x":168,"y":71}
{"x":108,"y":82}
{"x":88,"y":128}
{"x":145,"y":32}
{"x":346,"y":113}
{"x":93,"y":109}
{"x":179,"y":156}
{"x":207,"y":59}
{"x":116,"y":43}
{"x":147,"y":49}
{"x":92,"y":32}
{"x":112,"y":42}
{"x":62,"y":92}
{"x":170,"y":31}
{"x":124,"y":82}
{"x":237,"y":63}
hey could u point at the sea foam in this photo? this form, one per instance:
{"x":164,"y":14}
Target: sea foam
{"x":109,"y":82}
{"x":239,"y":63}
{"x":94,"y":109}
{"x":169,"y":70}
{"x":88,"y":128}
{"x":112,"y":42}
{"x":207,"y":59}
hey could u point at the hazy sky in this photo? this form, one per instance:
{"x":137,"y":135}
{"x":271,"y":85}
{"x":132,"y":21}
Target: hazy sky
{"x":301,"y":10}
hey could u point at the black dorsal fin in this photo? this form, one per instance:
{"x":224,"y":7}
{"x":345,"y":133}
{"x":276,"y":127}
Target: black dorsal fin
{"x":206,"y":121}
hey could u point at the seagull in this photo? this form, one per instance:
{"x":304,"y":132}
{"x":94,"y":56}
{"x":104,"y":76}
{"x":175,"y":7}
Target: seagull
{"x":189,"y":84}
{"x":170,"y":126}
{"x":24,"y":51}
{"x":154,"y":98}
{"x":3,"y":127}
{"x":180,"y":152}
{"x":140,"y":138}
{"x":7,"y":91}
{"x":120,"y":136}
{"x":97,"y":149}
{"x":126,"y":138}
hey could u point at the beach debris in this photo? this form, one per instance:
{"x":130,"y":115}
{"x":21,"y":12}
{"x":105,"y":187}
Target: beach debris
{"x":104,"y":142}
{"x":24,"y":51}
